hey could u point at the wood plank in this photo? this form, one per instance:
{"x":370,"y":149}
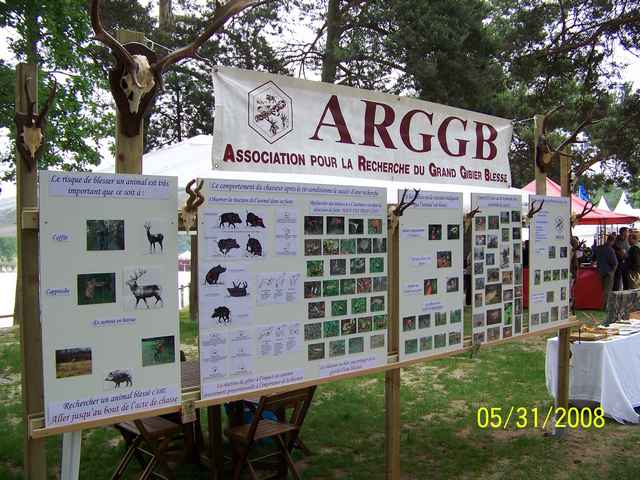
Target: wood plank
{"x":564,"y":348}
{"x":541,"y":178}
{"x":193,"y":287}
{"x":38,"y":430}
{"x":392,"y":378}
{"x":27,"y":307}
{"x":128,"y":149}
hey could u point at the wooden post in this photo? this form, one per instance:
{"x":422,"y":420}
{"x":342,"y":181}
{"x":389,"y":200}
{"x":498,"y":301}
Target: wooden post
{"x":193,"y":288}
{"x":392,"y":377}
{"x":128,"y":149}
{"x":35,"y":462}
{"x":541,"y":177}
{"x":564,"y":349}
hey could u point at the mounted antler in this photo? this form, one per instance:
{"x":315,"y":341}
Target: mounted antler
{"x":137,"y":75}
{"x":193,"y":202}
{"x":469,"y":217}
{"x":533,"y":209}
{"x":588,"y":208}
{"x":31,"y":125}
{"x":403,"y":205}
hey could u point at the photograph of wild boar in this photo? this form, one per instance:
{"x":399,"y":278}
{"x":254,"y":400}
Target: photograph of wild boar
{"x":116,"y":379}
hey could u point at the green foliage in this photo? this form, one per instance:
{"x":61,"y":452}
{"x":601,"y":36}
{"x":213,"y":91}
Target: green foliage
{"x":8,"y":249}
{"x":56,"y":34}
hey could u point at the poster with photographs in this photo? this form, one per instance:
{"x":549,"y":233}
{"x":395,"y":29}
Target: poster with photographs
{"x":496,"y":266}
{"x":293,"y":283}
{"x":431,"y":275}
{"x":550,"y":255}
{"x":108,"y":295}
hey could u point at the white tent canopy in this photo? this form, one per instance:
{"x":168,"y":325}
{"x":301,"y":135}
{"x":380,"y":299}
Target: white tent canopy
{"x":602,"y":204}
{"x":625,"y":207}
{"x":191,"y":158}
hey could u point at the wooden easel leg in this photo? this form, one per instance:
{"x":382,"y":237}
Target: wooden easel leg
{"x":392,"y":424}
{"x":216,"y":456}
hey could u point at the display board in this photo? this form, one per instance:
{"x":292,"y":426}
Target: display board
{"x":549,"y":259}
{"x":108,"y":295}
{"x":280,"y":124}
{"x":293,"y":283}
{"x":431,"y":275}
{"x":496,"y":263}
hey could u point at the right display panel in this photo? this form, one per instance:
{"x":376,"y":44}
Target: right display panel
{"x":549,"y":259}
{"x":496,"y":281}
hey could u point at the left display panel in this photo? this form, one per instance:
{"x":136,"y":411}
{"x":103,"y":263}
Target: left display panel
{"x":108,"y":295}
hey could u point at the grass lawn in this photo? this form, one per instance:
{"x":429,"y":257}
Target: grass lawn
{"x":345,"y":427}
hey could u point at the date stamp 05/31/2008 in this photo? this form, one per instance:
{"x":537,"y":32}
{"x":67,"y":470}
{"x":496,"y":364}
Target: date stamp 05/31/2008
{"x":534,"y":417}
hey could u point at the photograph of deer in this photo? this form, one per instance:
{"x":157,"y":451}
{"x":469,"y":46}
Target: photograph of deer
{"x":143,"y":288}
{"x":155,"y":238}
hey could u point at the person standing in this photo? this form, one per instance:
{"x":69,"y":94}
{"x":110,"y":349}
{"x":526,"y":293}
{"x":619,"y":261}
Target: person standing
{"x":633,"y":262}
{"x":621,"y":281}
{"x":607,"y":264}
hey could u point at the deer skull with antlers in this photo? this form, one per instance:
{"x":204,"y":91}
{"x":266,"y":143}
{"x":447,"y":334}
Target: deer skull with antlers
{"x":137,"y":75}
{"x":30,"y":127}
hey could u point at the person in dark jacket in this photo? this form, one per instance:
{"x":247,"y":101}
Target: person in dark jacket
{"x":607,"y":265}
{"x":633,"y":262}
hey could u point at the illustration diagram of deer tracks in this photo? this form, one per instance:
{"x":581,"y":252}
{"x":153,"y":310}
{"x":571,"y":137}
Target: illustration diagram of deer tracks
{"x":278,"y":288}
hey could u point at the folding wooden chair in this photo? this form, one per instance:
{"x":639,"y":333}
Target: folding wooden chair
{"x":150,"y":440}
{"x":284,"y":434}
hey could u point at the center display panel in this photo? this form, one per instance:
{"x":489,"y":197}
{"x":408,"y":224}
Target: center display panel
{"x":292,"y":283}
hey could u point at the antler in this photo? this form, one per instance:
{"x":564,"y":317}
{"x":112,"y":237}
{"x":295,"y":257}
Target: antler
{"x":116,"y":47}
{"x":195,"y":197}
{"x":588,"y":208}
{"x":533,"y":209}
{"x":402,"y":205}
{"x":469,"y":216}
{"x":223,"y":13}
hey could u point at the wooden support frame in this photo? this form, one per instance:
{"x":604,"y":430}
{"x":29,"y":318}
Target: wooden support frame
{"x":36,"y":422}
{"x":28,"y":302}
{"x":562,"y":391}
{"x":392,"y":377}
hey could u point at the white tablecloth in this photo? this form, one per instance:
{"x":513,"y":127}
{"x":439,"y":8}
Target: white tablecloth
{"x":607,"y":372}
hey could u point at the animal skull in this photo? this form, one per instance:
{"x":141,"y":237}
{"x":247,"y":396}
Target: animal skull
{"x":137,"y":85}
{"x":32,"y":139}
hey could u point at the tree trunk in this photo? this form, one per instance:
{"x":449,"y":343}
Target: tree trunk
{"x":165,"y":18}
{"x":32,"y":32}
{"x":330,"y":61}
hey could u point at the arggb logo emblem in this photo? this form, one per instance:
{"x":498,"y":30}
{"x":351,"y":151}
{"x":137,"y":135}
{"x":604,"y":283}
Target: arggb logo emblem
{"x":270,"y":112}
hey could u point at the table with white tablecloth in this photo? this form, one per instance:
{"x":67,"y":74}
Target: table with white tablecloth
{"x":606,"y":371}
